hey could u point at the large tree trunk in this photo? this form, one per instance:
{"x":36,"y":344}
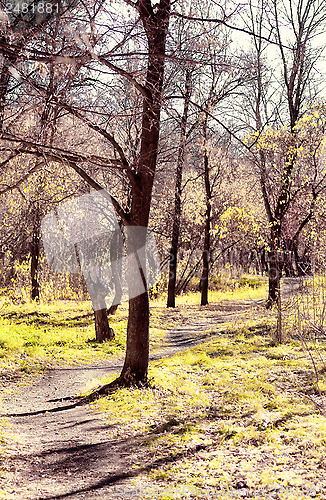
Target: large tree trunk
{"x":137,"y":354}
{"x":177,"y":199}
{"x":136,"y":362}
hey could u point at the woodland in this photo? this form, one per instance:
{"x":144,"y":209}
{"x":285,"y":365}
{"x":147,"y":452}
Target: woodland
{"x":202,"y":124}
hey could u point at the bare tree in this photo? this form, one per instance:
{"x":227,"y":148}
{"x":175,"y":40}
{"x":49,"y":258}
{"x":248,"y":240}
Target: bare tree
{"x":140,"y":174}
{"x":269,"y":21}
{"x":178,"y":193}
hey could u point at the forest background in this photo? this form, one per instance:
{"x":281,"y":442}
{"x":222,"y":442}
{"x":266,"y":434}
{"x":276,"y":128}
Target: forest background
{"x":216,"y":144}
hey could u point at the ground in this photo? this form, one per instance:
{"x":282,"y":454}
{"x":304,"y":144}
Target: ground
{"x":222,"y":419}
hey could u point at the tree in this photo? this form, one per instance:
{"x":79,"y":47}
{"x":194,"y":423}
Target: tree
{"x":297,"y":58}
{"x":140,"y":175}
{"x":177,"y":197}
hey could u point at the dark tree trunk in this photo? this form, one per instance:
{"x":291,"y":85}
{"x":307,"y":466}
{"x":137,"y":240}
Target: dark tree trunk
{"x":206,"y":250}
{"x":206,"y":253}
{"x":156,"y":25}
{"x":102,"y":328}
{"x":136,"y":362}
{"x":4,"y":80}
{"x":272,"y":279}
{"x":177,"y":199}
{"x":276,"y":223}
{"x":274,"y":264}
{"x":35,"y":253}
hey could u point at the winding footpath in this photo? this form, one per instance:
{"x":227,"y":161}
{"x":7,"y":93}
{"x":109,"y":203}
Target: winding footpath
{"x":59,"y":450}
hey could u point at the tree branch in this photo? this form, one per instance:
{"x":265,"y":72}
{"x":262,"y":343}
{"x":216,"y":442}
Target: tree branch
{"x":143,"y":90}
{"x":22,"y":179}
{"x":64,"y":154}
{"x":119,"y":210}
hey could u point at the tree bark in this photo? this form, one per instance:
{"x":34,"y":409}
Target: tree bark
{"x":102,"y":328}
{"x":177,"y":199}
{"x":206,"y":250}
{"x":156,"y":25}
{"x":35,"y":253}
{"x":4,"y":81}
{"x":137,"y":354}
{"x":116,"y":254}
{"x":274,"y":264}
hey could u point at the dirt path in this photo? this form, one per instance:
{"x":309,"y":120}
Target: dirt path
{"x":62,"y":451}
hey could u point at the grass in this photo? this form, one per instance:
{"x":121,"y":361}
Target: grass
{"x":229,"y":413}
{"x":245,"y":288}
{"x":228,"y":416}
{"x":37,"y":335}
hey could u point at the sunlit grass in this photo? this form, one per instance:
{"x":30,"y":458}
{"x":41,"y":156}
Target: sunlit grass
{"x":230,"y":408}
{"x":245,"y":288}
{"x":36,"y":335}
{"x":215,"y":296}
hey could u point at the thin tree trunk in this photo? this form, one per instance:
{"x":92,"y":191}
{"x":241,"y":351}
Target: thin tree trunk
{"x":102,"y":328}
{"x":206,"y":250}
{"x":35,"y":253}
{"x":177,"y":199}
{"x":116,"y":255}
{"x":279,"y":330}
{"x":273,"y":265}
{"x":4,"y":80}
{"x":103,"y":331}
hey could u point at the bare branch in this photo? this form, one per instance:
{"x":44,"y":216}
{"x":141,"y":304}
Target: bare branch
{"x":95,"y":185}
{"x":22,"y":179}
{"x":34,"y":147}
{"x":143,"y":90}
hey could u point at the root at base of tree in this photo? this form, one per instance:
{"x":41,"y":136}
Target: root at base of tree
{"x":121,"y":382}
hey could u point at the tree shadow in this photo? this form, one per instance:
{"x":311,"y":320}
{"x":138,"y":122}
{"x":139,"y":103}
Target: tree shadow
{"x":113,"y":479}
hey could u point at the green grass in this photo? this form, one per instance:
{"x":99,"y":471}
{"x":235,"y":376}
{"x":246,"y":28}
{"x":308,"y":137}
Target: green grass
{"x":36,"y":335}
{"x":238,"y":408}
{"x":234,"y":292}
{"x":229,"y":410}
{"x":248,"y":287}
